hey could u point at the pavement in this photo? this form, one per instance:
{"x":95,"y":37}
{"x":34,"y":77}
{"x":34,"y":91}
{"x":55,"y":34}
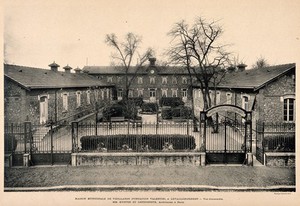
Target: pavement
{"x":126,"y":177}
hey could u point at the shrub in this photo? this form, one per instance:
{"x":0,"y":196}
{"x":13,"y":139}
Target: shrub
{"x":120,"y":110}
{"x":154,"y":142}
{"x":279,"y":143}
{"x":170,"y":101}
{"x":182,"y":112}
{"x":166,"y":113}
{"x":149,"y":107}
{"x":10,"y":143}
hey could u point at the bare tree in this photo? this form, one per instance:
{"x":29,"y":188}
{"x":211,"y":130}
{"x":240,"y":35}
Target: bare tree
{"x":197,"y":48}
{"x":260,"y":63}
{"x":125,"y":53}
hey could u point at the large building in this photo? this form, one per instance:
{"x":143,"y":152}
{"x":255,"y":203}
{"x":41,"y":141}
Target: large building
{"x":42,"y":95}
{"x":150,"y":82}
{"x":268,"y":92}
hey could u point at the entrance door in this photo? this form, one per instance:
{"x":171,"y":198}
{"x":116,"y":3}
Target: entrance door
{"x":225,"y":142}
{"x":43,"y":109}
{"x":152,"y":95}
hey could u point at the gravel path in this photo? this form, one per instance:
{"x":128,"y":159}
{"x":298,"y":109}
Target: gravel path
{"x":229,"y":176}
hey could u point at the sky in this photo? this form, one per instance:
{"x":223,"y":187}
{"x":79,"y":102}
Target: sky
{"x":36,"y":33}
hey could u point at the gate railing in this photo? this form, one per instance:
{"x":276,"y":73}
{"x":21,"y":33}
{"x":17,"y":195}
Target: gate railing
{"x":274,"y":137}
{"x":137,"y":137}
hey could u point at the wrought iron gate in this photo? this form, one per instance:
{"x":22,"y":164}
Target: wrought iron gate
{"x":225,"y":142}
{"x":226,"y":139}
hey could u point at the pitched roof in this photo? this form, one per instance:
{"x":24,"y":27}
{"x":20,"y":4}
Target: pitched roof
{"x":255,"y":78}
{"x":133,"y":69}
{"x":36,"y":78}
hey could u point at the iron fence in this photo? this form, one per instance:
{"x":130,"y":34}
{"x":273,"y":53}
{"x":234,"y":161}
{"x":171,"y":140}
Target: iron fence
{"x":274,"y":137}
{"x":136,"y":136}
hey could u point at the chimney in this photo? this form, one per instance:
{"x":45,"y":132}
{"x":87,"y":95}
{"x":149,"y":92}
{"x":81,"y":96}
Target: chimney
{"x":77,"y":70}
{"x":67,"y":69}
{"x":152,"y":61}
{"x":54,"y":66}
{"x":241,"y":67}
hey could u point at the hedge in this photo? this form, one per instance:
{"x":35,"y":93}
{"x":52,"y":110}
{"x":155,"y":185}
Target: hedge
{"x":154,"y":142}
{"x":137,"y":101}
{"x":279,"y":143}
{"x":171,"y":101}
{"x":183,"y":112}
{"x":149,"y":107}
{"x":120,"y":110}
{"x":10,"y":143}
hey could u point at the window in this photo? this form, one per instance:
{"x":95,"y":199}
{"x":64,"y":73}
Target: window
{"x":194,"y":80}
{"x":119,"y":79}
{"x":164,"y":92}
{"x":218,"y":97}
{"x":288,"y":109}
{"x":211,"y":96}
{"x":174,"y":92}
{"x":140,"y":80}
{"x":164,"y":80}
{"x":88,"y":97}
{"x":120,"y":93}
{"x":140,"y":92}
{"x":108,"y":93}
{"x":152,"y":93}
{"x":109,"y":79}
{"x":78,"y":98}
{"x":174,"y":80}
{"x":245,"y":102}
{"x":184,"y":93}
{"x":96,"y":95}
{"x":102,"y":94}
{"x":184,"y":80}
{"x":130,"y":93}
{"x":65,"y":101}
{"x":152,"y":80}
{"x":228,"y":98}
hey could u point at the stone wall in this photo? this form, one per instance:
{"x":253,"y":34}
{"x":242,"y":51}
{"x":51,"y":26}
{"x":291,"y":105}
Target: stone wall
{"x":280,"y":159}
{"x":14,"y":102}
{"x":271,"y":102}
{"x":156,"y":159}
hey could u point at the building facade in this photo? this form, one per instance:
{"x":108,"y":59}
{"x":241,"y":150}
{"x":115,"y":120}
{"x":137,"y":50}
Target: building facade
{"x":40,"y":95}
{"x":149,"y":82}
{"x":268,"y":92}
